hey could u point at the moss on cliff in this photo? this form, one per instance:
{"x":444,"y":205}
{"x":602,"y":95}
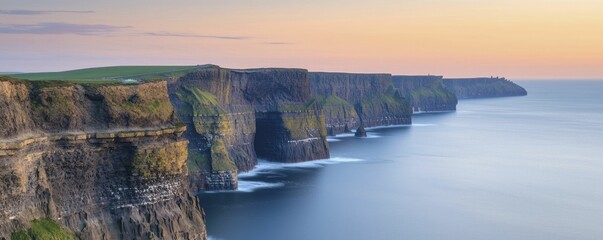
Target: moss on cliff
{"x":220,"y":160}
{"x":198,"y":161}
{"x":203,"y":103}
{"x":431,"y":94}
{"x":305,"y":126}
{"x":139,"y":102}
{"x":157,"y":161}
{"x":43,"y":229}
{"x":383,"y":105}
{"x":298,"y":107}
{"x":331,"y":101}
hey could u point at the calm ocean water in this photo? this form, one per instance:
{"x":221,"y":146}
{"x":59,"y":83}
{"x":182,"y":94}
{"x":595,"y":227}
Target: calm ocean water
{"x":506,"y":168}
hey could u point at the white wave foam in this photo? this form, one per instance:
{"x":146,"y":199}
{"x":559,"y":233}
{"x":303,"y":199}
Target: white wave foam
{"x":251,"y":186}
{"x":423,"y":124}
{"x":388,"y":126}
{"x":344,"y":135}
{"x":347,"y":135}
{"x":266,"y":166}
{"x":430,"y":112}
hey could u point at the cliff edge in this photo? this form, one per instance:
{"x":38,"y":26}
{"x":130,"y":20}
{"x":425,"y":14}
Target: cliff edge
{"x":351,"y":100}
{"x":236,"y":116}
{"x":102,"y":161}
{"x":483,"y":87}
{"x":426,"y":93}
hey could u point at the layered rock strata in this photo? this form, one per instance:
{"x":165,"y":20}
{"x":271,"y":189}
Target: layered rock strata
{"x":235,"y":116}
{"x":105,"y":161}
{"x":426,"y":93}
{"x":349,"y":100}
{"x":483,"y":87}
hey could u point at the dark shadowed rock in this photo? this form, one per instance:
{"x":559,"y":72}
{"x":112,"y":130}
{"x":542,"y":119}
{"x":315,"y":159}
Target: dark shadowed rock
{"x":426,"y":93}
{"x":349,"y":100}
{"x":268,"y":113}
{"x":483,"y":87}
{"x":360,"y":132}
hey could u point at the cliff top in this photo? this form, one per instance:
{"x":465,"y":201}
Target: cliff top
{"x":475,"y":78}
{"x":348,"y":73}
{"x":418,"y":76}
{"x":123,"y":74}
{"x":114,"y":74}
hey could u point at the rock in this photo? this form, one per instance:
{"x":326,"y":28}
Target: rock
{"x":426,"y":93}
{"x":360,"y":132}
{"x":97,"y":188}
{"x":268,"y":113}
{"x":483,"y":87}
{"x":347,"y":98}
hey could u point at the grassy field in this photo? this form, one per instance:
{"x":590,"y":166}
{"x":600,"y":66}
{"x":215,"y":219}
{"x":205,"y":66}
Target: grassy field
{"x":110,"y":74}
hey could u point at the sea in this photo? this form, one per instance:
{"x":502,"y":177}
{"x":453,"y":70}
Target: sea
{"x":526,"y":167}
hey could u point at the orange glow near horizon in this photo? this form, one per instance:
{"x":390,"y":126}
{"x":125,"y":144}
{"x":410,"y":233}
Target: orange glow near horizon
{"x":458,"y":38}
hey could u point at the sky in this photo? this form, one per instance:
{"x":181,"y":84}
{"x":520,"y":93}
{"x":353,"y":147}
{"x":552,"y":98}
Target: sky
{"x":518,"y":39}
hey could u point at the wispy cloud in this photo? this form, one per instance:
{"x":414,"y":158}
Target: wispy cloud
{"x":39,"y":12}
{"x":191,"y":35}
{"x":60,"y":28}
{"x":278,"y":43}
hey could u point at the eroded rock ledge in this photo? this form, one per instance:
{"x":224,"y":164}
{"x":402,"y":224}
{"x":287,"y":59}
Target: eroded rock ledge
{"x":349,"y":100}
{"x":426,"y":93}
{"x":105,"y":161}
{"x":235,"y":116}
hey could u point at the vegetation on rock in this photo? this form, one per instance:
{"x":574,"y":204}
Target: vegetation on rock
{"x":43,"y":229}
{"x":157,"y":161}
{"x":220,"y":160}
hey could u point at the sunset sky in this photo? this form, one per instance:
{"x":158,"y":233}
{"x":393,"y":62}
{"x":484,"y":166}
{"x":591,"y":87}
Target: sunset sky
{"x":519,"y":39}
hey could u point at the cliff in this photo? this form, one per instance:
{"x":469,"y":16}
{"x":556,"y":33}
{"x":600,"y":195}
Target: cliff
{"x":483,"y":87}
{"x":426,"y":93}
{"x":350,"y":100}
{"x":235,"y":115}
{"x":103,"y":161}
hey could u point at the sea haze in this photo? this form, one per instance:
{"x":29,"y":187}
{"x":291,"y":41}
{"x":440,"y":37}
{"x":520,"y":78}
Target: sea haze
{"x":506,"y":168}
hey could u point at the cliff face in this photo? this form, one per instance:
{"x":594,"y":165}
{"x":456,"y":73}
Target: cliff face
{"x":426,"y":93}
{"x":107,"y":162}
{"x":483,"y":87}
{"x":349,"y":100}
{"x":234,"y":115}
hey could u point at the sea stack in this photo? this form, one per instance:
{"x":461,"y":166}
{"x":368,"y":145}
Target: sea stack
{"x":360,"y":132}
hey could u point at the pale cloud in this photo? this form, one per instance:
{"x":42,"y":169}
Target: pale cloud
{"x":60,"y":28}
{"x":40,"y":12}
{"x":192,"y":35}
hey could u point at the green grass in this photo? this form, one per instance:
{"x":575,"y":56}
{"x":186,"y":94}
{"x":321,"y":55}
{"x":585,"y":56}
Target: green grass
{"x":202,"y":102}
{"x":220,"y":160}
{"x":110,"y":74}
{"x":297,"y":107}
{"x":332,"y":101}
{"x":198,"y":161}
{"x":43,"y":229}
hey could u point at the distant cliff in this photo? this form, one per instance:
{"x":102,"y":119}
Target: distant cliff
{"x":104,"y":161}
{"x":426,"y":93}
{"x":483,"y":87}
{"x":234,"y":115}
{"x":351,"y":100}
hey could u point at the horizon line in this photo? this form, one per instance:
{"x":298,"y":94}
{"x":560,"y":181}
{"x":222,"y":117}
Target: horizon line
{"x":11,"y":72}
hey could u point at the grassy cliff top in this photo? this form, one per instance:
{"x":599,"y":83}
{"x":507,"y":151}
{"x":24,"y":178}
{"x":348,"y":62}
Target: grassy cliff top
{"x":109,"y":74}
